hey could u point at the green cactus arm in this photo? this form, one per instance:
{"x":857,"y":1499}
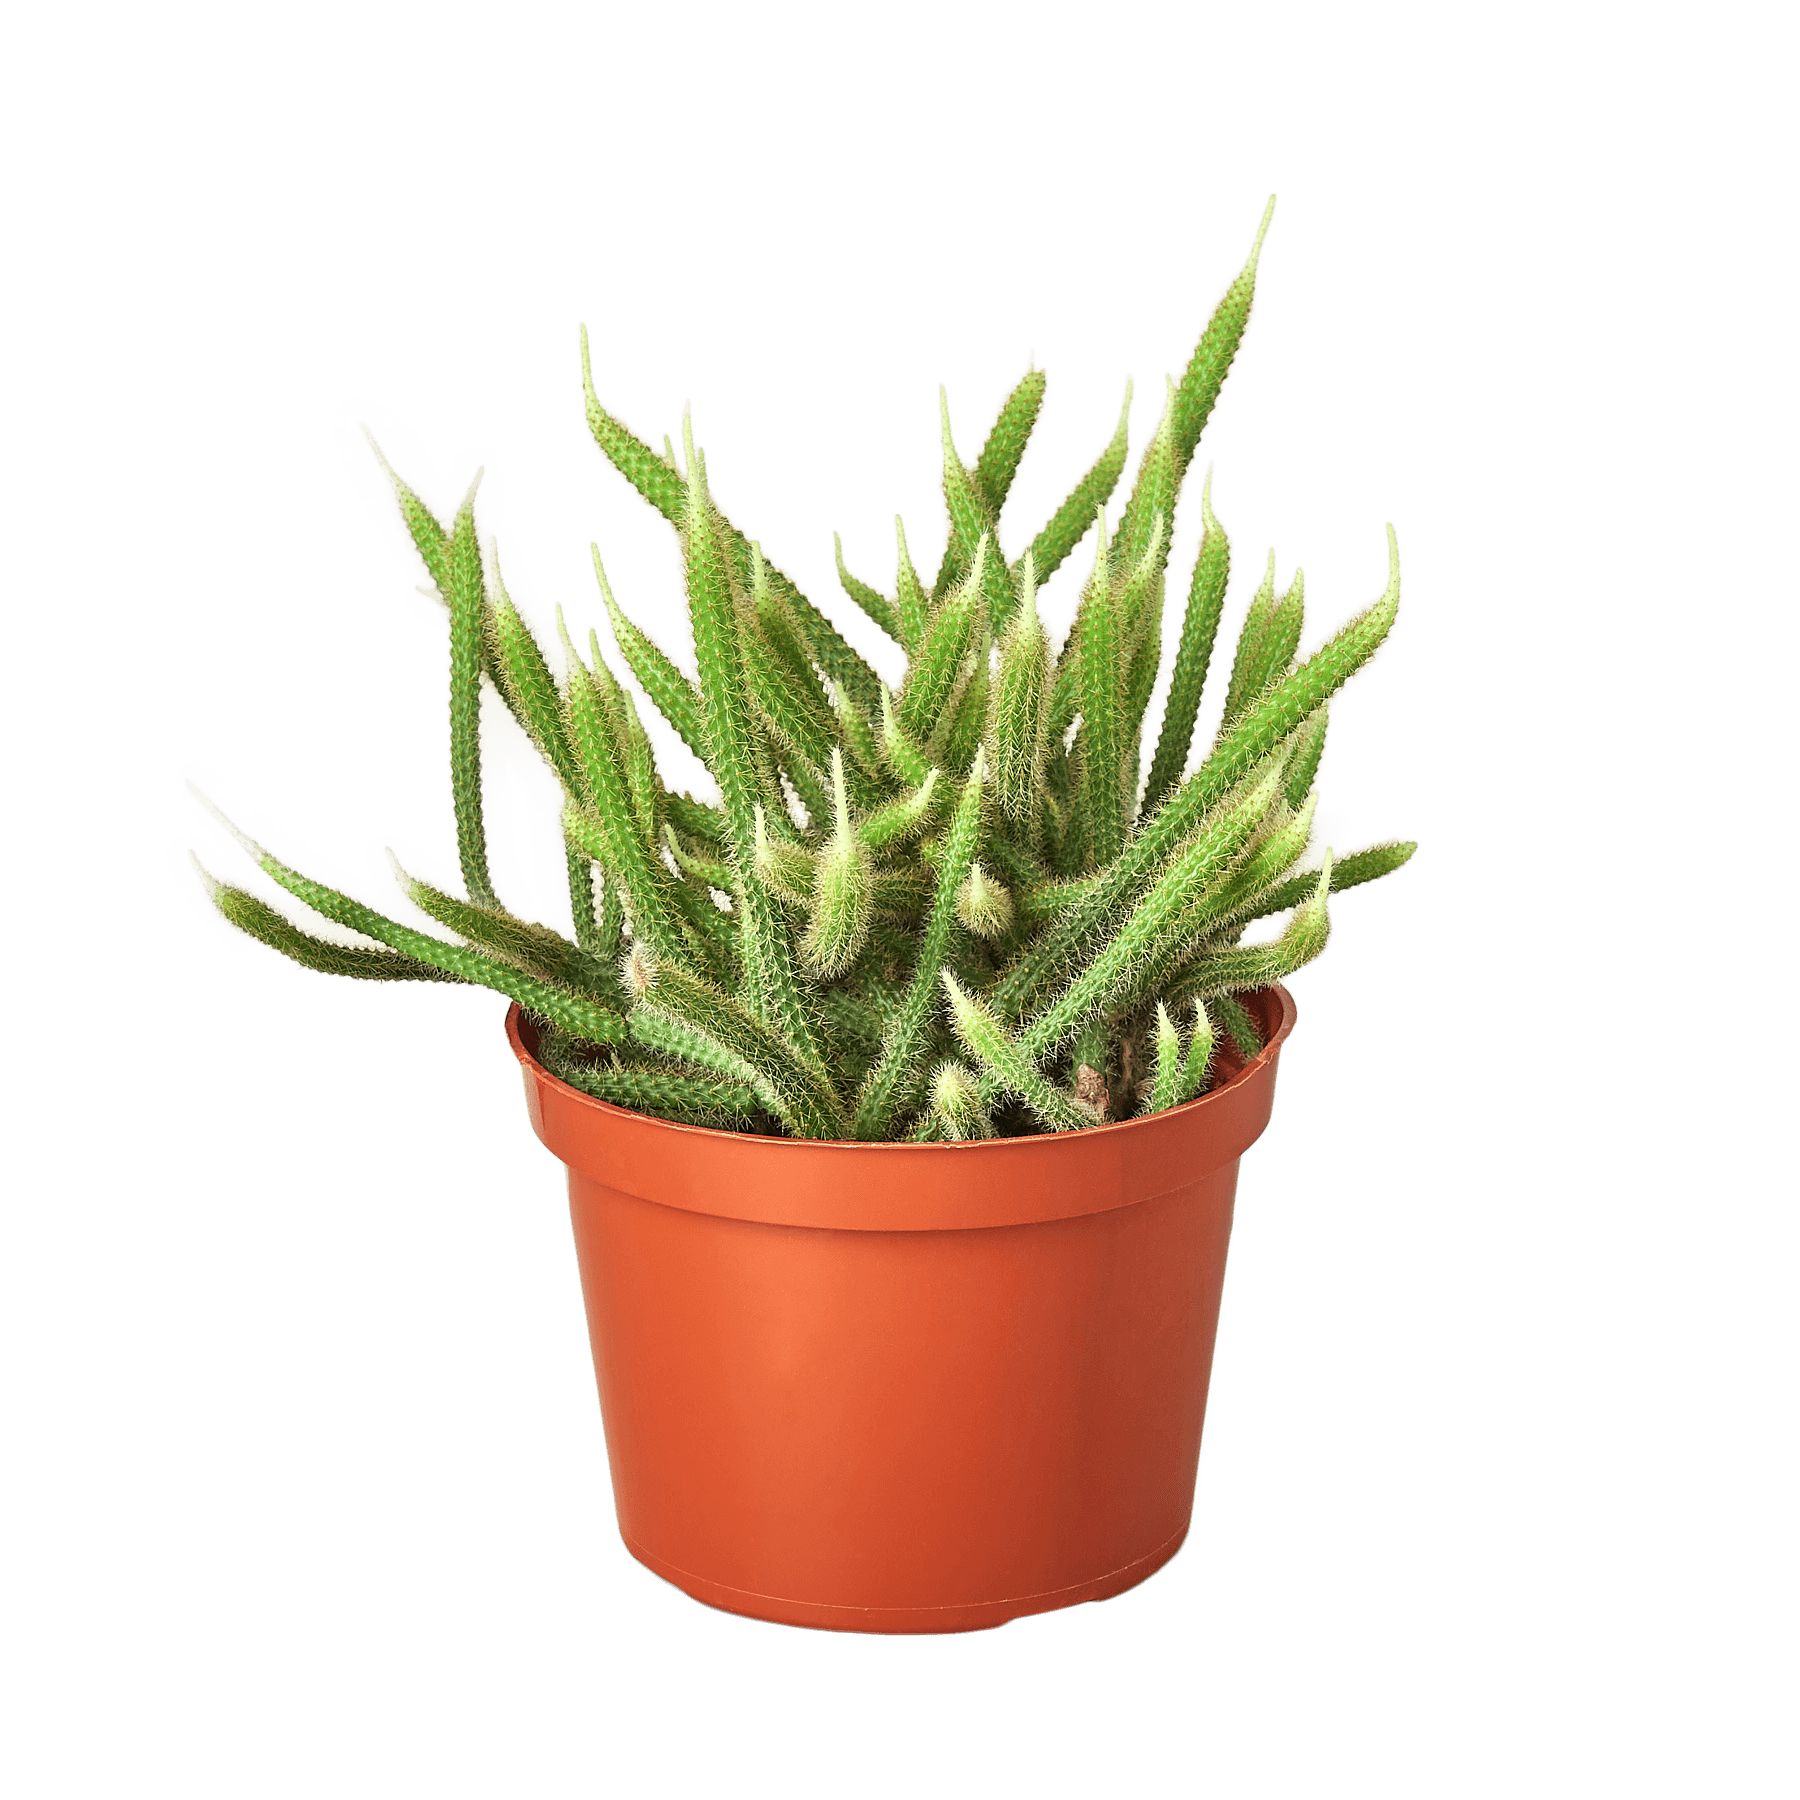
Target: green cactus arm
{"x":960,"y":732}
{"x":1165,"y":1089}
{"x":668,"y":1036}
{"x":1279,"y":841}
{"x":1141,"y":613}
{"x":529,"y":687}
{"x":843,"y":889}
{"x":1196,"y":1066}
{"x":686,"y":1099}
{"x":970,"y":519}
{"x":1048,"y":834}
{"x":782,"y":661}
{"x":713,"y":932}
{"x":643,"y":774}
{"x":855,"y":1025}
{"x":696,"y":819}
{"x":695,"y":866}
{"x":772,"y":986}
{"x":608,"y":829}
{"x":912,"y":605}
{"x":1283,"y":707}
{"x":1155,"y":919}
{"x":1309,"y":748}
{"x":859,"y":738}
{"x":611,"y":827}
{"x":882,"y":1092}
{"x":257,"y":919}
{"x":1018,"y":722}
{"x":429,"y":538}
{"x":583,"y":1015}
{"x":467,"y":594}
{"x":1016,"y":865}
{"x":612,"y":921}
{"x":1262,"y":965}
{"x":1348,"y":872}
{"x":630,"y":455}
{"x":1071,"y":521}
{"x":823,"y":639}
{"x":1000,"y":456}
{"x":1211,"y":362}
{"x":670,"y":691}
{"x":1247,"y":661}
{"x":1072,"y":850}
{"x":1008,"y":1068}
{"x":1133,"y":590}
{"x":784,"y":866}
{"x":1266,"y":650}
{"x":984,"y":906}
{"x":1286,"y":621}
{"x":903,"y":756}
{"x":629,"y":885}
{"x":784,"y":1080}
{"x":767,"y":949}
{"x":1238,"y":1024}
{"x":811,"y":787}
{"x":1154,"y":493}
{"x":1088,"y":1048}
{"x":580,"y":870}
{"x":1049,"y":900}
{"x":601,"y":685}
{"x":999,"y":591}
{"x":708,"y":870}
{"x":1093,"y":909}
{"x":956,"y":1106}
{"x":932,"y":677}
{"x":1102,"y":793}
{"x":534,"y":948}
{"x":800,"y":721}
{"x":894,"y":824}
{"x":873,"y":602}
{"x":903,"y":893}
{"x":1193,"y":655}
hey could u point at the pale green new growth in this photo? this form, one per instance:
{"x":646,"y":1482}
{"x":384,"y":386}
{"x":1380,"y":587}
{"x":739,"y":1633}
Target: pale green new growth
{"x":958,"y":908}
{"x":1198,"y":1062}
{"x":984,"y":905}
{"x":956,"y":1107}
{"x":1166,"y":1089}
{"x":843,"y":889}
{"x":1011,"y":1068}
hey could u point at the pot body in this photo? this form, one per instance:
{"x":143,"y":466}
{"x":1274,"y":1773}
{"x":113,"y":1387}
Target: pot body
{"x":904,"y":1388}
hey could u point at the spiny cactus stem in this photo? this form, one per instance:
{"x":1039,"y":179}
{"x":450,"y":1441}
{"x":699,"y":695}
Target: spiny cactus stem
{"x":1009,"y":1065}
{"x":1207,"y":857}
{"x":880,"y":1098}
{"x":1166,"y":1087}
{"x":1198,"y":1062}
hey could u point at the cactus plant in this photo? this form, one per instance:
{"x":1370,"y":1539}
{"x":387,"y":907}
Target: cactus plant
{"x":957,"y":908}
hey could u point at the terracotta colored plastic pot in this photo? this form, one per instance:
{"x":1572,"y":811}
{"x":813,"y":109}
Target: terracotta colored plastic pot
{"x":904,"y":1387}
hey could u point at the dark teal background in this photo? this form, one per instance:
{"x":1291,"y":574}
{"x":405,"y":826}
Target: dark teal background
{"x":302,"y":1488}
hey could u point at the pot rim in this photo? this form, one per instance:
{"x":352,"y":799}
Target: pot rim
{"x":516,"y":1028}
{"x":839,"y":1184}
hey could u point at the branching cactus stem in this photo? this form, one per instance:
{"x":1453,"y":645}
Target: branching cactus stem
{"x":925,"y":912}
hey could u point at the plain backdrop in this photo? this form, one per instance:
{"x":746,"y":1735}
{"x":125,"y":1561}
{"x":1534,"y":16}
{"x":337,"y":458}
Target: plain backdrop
{"x":302,"y":1483}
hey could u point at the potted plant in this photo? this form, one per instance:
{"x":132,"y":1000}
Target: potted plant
{"x":902,"y":1084}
